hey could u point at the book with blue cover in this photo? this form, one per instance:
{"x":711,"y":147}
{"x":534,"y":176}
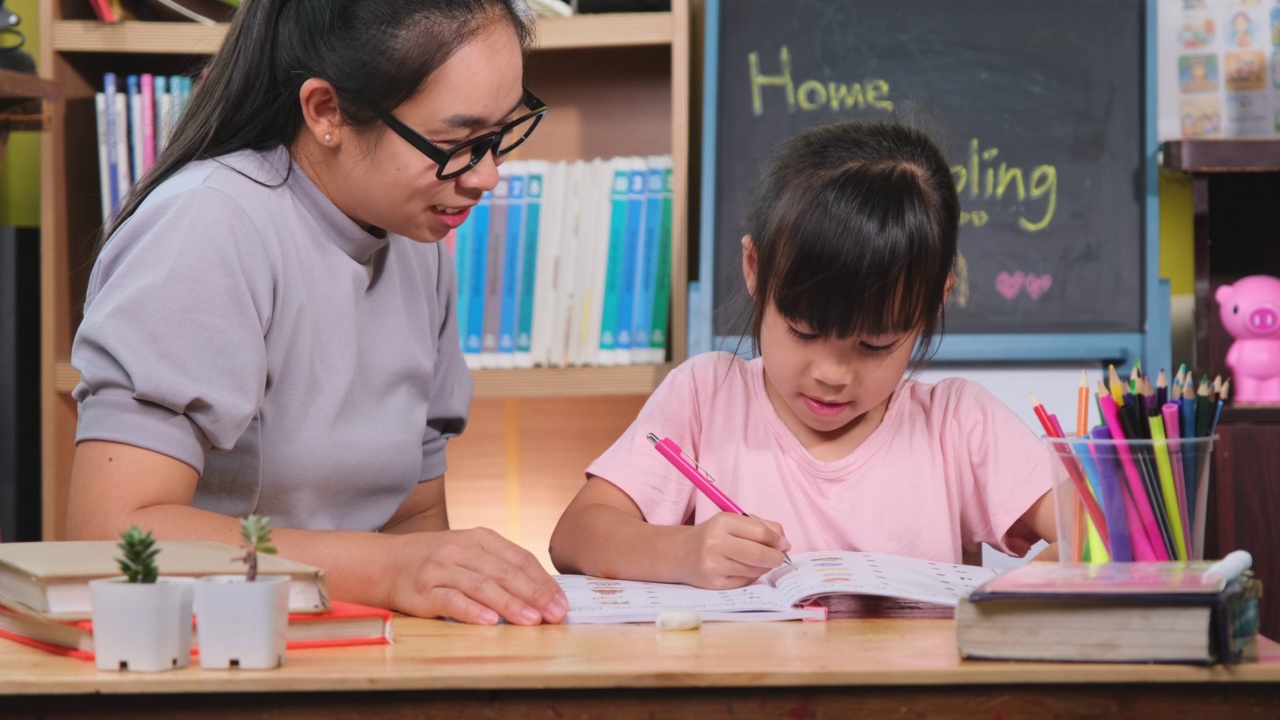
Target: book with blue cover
{"x":646,"y":277}
{"x":462,"y":256}
{"x":497,"y":242}
{"x":535,"y":171}
{"x":619,"y":200}
{"x":661,"y":318}
{"x":632,"y":247}
{"x":479,"y":221}
{"x":511,"y":264}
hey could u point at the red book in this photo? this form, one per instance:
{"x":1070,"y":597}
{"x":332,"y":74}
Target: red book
{"x":342,"y":624}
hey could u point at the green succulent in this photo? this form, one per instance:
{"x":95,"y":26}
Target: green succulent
{"x":139,"y":561}
{"x":255,"y":534}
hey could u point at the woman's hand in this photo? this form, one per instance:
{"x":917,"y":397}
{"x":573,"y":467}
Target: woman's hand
{"x":730,"y":550}
{"x":475,"y":576}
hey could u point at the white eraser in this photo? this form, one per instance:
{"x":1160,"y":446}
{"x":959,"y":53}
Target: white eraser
{"x":679,"y":620}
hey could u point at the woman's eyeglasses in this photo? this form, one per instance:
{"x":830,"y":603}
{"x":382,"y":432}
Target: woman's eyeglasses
{"x":460,"y":158}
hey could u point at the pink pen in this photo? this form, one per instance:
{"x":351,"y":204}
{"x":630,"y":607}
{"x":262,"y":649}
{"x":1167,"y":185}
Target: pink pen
{"x":700,"y":478}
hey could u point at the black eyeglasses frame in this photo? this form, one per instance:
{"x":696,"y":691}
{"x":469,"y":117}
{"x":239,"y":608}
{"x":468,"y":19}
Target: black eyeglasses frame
{"x":479,"y":146}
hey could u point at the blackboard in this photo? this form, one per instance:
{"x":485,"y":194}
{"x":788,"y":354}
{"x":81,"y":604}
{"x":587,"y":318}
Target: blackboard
{"x":1041,"y":108}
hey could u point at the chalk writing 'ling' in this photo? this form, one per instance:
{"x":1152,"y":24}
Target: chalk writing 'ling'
{"x":993,"y":181}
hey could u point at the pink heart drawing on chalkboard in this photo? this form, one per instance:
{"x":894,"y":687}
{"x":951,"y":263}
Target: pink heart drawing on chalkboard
{"x":1038,"y":285}
{"x":1009,"y":285}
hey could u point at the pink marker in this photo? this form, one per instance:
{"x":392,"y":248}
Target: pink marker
{"x":700,"y":478}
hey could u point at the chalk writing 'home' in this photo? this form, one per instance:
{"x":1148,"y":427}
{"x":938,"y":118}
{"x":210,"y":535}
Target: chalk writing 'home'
{"x":812,"y":95}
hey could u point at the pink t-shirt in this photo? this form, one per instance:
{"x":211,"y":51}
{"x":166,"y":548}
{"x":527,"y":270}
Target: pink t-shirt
{"x":949,"y":467}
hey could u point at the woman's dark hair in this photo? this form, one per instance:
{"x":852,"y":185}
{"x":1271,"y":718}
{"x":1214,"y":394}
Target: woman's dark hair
{"x":375,"y":53}
{"x":854,"y":226}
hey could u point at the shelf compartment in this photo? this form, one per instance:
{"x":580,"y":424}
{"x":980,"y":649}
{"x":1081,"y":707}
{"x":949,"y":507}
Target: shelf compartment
{"x":524,"y":382}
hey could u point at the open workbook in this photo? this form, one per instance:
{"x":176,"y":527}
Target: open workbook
{"x":820,"y":584}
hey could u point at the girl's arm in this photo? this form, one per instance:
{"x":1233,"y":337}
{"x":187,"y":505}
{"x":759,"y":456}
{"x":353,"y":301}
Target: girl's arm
{"x":1039,"y":522}
{"x":471,"y":575}
{"x":603,"y":533}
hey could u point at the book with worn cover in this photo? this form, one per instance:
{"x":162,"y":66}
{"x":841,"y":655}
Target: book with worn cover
{"x":1178,"y":612}
{"x":51,"y":579}
{"x":821,"y":584}
{"x":342,"y":624}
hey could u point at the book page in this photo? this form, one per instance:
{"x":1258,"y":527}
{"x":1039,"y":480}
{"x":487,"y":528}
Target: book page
{"x":817,"y":574}
{"x":597,"y":599}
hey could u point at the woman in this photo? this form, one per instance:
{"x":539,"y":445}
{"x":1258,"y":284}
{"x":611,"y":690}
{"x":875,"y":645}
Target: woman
{"x":270,"y":325}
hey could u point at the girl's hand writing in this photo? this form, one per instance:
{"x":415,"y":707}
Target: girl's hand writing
{"x":475,"y":576}
{"x":731,"y":550}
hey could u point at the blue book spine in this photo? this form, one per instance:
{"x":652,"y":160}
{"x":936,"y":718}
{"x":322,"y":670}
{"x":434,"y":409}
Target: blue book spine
{"x":511,"y":268}
{"x":648,"y":263}
{"x":134,"y":91}
{"x":529,"y":259}
{"x":630,"y":261}
{"x":497,"y":241}
{"x":618,"y":198}
{"x":113,"y":160}
{"x":462,"y":264}
{"x":479,"y":269}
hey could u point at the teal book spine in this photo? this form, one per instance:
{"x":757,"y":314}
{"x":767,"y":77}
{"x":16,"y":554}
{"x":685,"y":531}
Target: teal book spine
{"x":630,"y":263}
{"x":462,"y":266}
{"x":662,"y":279}
{"x":479,"y":221}
{"x":618,"y":199}
{"x":529,"y":266}
{"x":511,"y":267}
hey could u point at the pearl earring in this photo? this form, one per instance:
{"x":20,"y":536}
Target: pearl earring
{"x":328,"y":137}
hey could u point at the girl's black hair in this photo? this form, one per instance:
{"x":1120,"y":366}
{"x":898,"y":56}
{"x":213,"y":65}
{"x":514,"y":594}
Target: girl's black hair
{"x":375,"y":53}
{"x":854,"y":226}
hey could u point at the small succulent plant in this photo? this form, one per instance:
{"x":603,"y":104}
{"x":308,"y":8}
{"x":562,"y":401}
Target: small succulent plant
{"x":255,"y":535}
{"x":139,"y":561}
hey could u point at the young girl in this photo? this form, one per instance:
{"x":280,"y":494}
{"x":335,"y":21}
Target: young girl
{"x":822,"y":440}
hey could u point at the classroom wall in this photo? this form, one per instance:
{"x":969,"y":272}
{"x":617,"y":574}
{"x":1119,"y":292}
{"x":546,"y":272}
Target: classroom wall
{"x":20,"y":173}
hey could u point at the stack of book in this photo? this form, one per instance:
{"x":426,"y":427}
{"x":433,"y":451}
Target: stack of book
{"x":45,"y":600}
{"x":568,"y":264}
{"x":1175,"y":612}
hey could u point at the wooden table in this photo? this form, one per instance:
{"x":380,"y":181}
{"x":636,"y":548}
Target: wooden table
{"x":838,"y":669}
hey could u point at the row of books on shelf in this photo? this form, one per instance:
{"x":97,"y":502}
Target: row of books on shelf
{"x":134,"y":121}
{"x":567,"y":264}
{"x":562,"y":264}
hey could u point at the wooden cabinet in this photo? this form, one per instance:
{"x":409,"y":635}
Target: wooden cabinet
{"x":618,"y":84}
{"x":1235,"y":185}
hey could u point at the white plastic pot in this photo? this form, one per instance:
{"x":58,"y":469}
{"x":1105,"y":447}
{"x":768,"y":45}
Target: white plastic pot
{"x":142,"y":626}
{"x":242,"y":624}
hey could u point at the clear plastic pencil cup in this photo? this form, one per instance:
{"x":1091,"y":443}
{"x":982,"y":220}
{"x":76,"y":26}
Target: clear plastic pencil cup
{"x":1130,"y":500}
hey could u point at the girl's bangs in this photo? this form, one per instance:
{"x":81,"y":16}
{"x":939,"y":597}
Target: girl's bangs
{"x":854,"y":263}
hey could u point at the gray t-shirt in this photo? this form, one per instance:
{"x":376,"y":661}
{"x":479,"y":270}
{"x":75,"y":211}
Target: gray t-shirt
{"x":241,"y":323}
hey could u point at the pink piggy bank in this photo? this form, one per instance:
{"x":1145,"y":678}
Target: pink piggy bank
{"x":1250,"y":311}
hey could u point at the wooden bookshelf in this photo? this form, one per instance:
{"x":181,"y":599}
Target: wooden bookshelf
{"x":618,"y":84}
{"x":185,"y":38}
{"x":1234,"y":182}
